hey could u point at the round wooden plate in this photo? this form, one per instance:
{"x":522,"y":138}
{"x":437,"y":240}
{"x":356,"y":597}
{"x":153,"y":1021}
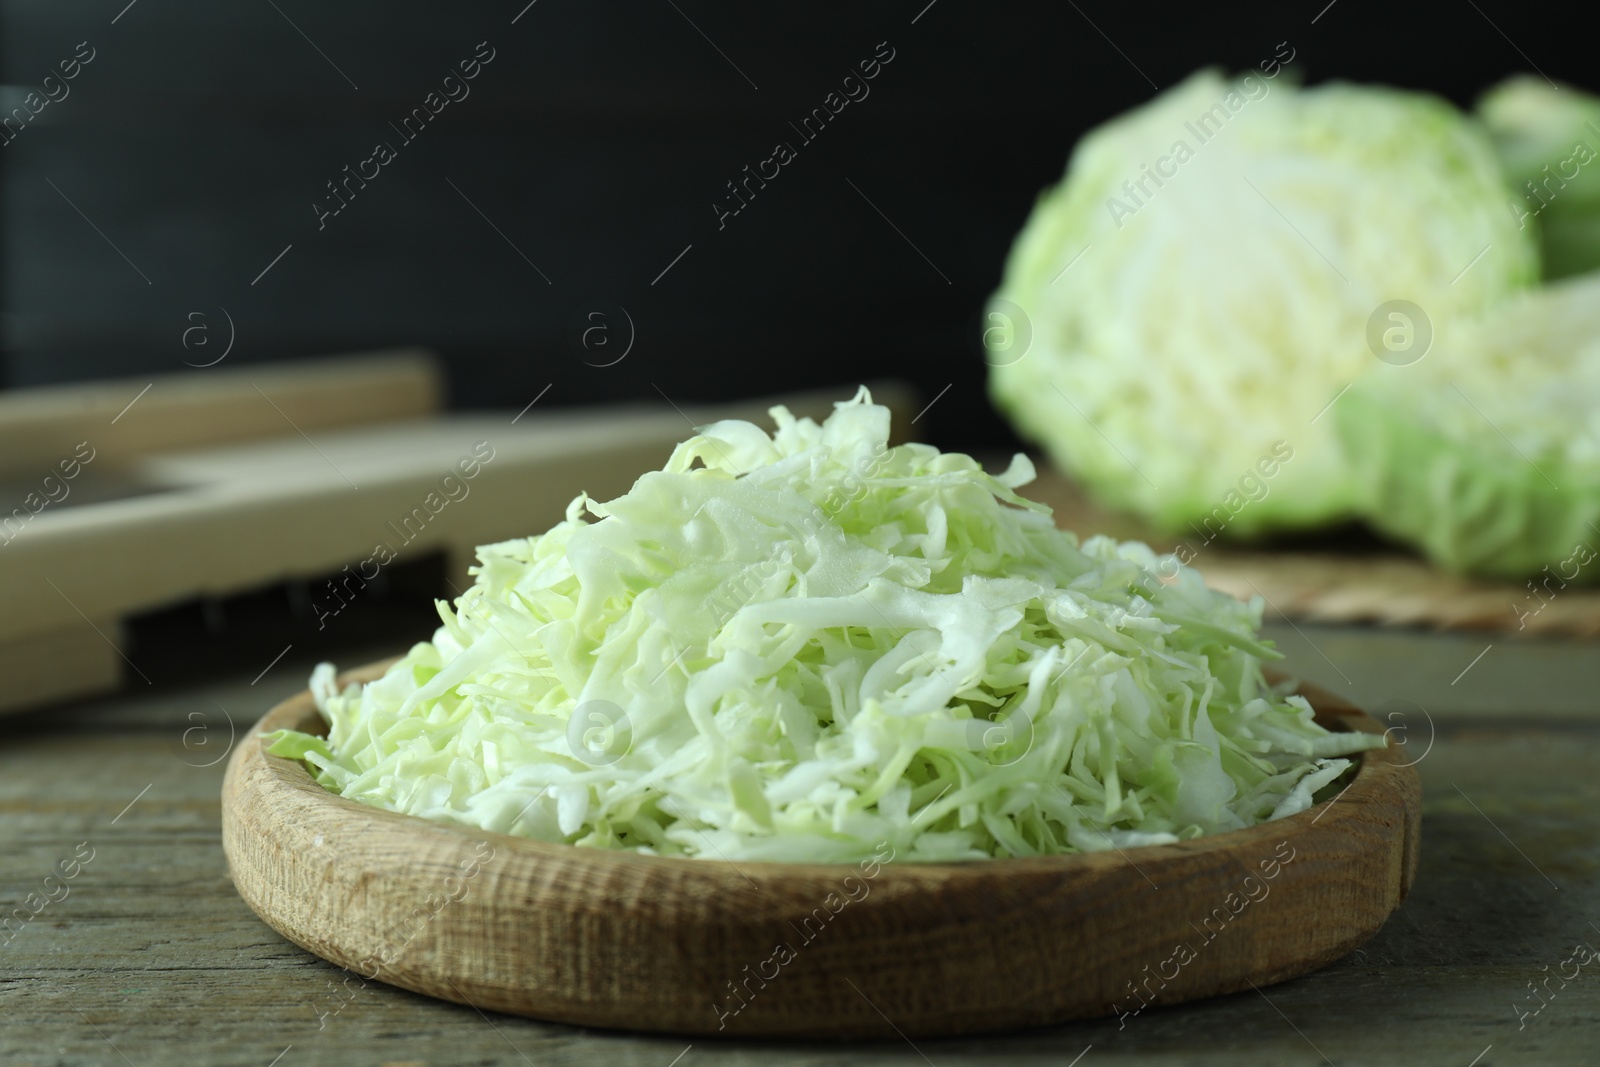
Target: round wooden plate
{"x":684,"y":946}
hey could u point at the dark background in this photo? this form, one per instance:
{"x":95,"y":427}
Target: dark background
{"x":596,"y":142}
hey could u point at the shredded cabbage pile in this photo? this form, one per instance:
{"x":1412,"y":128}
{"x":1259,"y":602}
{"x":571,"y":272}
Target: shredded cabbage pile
{"x":800,"y":646}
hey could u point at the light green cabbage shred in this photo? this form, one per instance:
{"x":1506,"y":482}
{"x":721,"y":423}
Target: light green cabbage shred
{"x":798,"y":646}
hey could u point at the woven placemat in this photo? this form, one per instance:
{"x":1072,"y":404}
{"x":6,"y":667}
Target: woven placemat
{"x":1339,"y":583}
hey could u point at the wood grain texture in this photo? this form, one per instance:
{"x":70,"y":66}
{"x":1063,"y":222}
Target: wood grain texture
{"x":693,"y":947}
{"x":65,"y":661}
{"x":1390,"y":587}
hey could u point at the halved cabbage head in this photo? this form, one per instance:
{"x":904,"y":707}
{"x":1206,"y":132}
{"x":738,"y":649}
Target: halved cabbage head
{"x":806,"y":646}
{"x":1548,"y":138}
{"x":1486,"y":454}
{"x":1199,"y":286}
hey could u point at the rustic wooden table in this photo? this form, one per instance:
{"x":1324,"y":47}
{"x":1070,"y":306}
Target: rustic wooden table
{"x":146,"y":956}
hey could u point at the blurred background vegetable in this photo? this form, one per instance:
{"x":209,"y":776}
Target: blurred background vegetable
{"x":1488,"y":456}
{"x":1199,"y":286}
{"x":1223,"y":267}
{"x":1548,"y":138}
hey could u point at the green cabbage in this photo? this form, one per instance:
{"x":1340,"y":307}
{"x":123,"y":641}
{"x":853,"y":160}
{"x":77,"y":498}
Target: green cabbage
{"x":1199,"y":287}
{"x":1548,"y":139}
{"x":1486,"y":455}
{"x":804,"y":645}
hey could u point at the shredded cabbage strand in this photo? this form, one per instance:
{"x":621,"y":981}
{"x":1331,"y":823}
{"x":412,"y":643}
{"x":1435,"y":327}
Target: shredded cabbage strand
{"x":800,"y":645}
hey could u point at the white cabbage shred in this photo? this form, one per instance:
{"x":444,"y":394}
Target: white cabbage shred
{"x":798,"y":646}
